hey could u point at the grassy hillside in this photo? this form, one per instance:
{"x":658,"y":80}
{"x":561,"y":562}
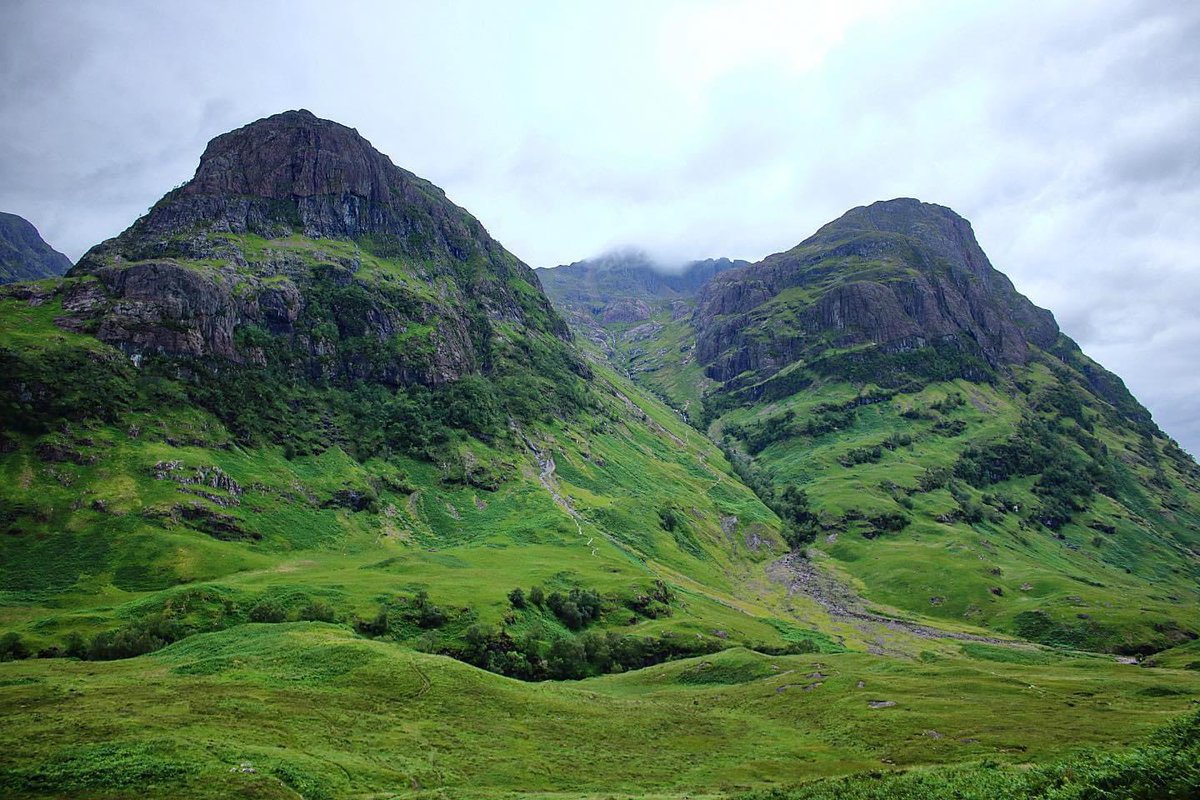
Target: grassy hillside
{"x":317,"y":712}
{"x":108,"y":520}
{"x":911,"y":501}
{"x":309,"y":596}
{"x":309,"y":517}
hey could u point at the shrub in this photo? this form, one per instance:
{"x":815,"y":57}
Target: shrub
{"x":318,"y":611}
{"x":12,"y":648}
{"x":267,"y":611}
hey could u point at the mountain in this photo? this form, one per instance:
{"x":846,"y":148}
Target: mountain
{"x":896,"y":276}
{"x":24,"y":256}
{"x":308,"y":361}
{"x":928,"y":431}
{"x":306,"y":349}
{"x":308,"y":491}
{"x":625,"y":286}
{"x":295,"y":232}
{"x":622,"y":300}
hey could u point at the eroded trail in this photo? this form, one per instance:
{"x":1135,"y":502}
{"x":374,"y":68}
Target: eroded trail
{"x":842,"y":602}
{"x":546,"y":469}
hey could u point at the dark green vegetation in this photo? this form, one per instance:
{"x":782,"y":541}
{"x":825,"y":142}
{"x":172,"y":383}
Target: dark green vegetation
{"x":24,"y":256}
{"x":306,"y":491}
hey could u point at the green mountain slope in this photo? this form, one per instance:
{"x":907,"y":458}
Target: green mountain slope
{"x":953,"y":451}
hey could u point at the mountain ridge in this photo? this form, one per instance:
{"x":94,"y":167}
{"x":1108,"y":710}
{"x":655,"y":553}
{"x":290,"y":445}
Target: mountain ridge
{"x":24,"y":255}
{"x":897,"y":274}
{"x":296,"y":236}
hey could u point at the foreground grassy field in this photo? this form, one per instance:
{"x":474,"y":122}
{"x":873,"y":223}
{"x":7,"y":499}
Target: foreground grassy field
{"x":318,"y":712}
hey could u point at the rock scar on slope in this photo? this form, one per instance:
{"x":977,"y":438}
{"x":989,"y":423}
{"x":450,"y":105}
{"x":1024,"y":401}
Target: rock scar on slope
{"x":842,"y":602}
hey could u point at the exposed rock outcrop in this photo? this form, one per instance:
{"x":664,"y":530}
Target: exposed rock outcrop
{"x":625,"y":310}
{"x":896,"y":275}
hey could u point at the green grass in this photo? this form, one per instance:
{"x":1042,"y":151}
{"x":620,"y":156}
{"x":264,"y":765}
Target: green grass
{"x":310,"y":704}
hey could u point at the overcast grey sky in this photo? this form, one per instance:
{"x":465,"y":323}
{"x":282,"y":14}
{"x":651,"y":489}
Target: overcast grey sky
{"x":1069,"y":133}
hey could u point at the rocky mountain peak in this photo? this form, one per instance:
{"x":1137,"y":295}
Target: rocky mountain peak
{"x":297,"y":236}
{"x":938,"y":231}
{"x":295,"y":173}
{"x":895,"y":276}
{"x":293,"y":155}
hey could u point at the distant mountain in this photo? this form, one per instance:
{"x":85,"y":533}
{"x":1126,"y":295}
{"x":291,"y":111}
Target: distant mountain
{"x":24,"y":256}
{"x":624,"y":286}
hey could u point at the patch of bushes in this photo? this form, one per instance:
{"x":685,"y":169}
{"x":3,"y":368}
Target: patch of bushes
{"x":576,"y":609}
{"x":793,"y":507}
{"x":12,"y":648}
{"x":570,"y":658}
{"x":909,"y":370}
{"x":1065,"y":482}
{"x":861,"y":455}
{"x":402,"y":614}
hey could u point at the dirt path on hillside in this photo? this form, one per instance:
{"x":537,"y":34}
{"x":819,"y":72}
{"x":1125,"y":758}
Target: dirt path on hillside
{"x":843,"y":603}
{"x":546,"y":468}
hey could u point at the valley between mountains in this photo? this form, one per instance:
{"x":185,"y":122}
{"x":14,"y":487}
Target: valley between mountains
{"x":313,"y":489}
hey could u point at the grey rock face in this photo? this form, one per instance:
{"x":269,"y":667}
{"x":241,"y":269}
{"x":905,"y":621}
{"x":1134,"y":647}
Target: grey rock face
{"x":295,"y":173}
{"x":625,"y":310}
{"x":897,"y":275}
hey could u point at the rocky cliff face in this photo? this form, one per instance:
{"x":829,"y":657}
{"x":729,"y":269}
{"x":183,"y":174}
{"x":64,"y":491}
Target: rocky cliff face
{"x":297,"y":239}
{"x":24,"y":256}
{"x":895,"y":276}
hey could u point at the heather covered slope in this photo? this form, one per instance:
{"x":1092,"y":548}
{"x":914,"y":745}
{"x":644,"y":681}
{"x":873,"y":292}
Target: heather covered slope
{"x":24,"y":256}
{"x":936,"y":437}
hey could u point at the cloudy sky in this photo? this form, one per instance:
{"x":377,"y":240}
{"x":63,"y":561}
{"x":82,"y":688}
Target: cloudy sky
{"x":1068,"y":132}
